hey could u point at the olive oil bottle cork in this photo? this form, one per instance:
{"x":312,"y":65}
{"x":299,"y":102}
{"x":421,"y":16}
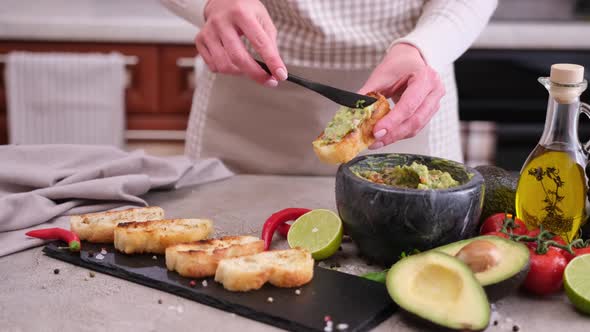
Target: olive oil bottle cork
{"x":567,"y":77}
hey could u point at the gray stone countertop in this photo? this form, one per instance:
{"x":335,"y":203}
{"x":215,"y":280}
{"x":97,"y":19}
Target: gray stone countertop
{"x":33,"y":298}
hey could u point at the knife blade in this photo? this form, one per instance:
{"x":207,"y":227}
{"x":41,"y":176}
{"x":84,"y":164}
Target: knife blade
{"x":342,"y":97}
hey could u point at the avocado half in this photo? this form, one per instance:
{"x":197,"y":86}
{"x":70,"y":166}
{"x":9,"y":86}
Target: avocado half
{"x":441,"y":289}
{"x":503,"y":278}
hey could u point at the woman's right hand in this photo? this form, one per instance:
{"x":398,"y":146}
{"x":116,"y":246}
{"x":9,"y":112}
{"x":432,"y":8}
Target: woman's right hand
{"x":220,"y":45}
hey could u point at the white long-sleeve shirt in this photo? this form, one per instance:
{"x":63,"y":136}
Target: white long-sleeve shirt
{"x":355,"y":34}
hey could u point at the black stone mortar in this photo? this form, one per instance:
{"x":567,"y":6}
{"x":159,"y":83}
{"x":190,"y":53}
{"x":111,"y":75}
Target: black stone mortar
{"x":385,"y":221}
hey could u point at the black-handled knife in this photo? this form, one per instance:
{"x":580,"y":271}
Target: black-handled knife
{"x":342,"y":97}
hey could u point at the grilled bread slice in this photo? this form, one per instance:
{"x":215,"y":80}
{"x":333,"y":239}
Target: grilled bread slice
{"x":342,"y":150}
{"x":282,"y":268}
{"x":156,"y":235}
{"x":200,"y":259}
{"x":99,"y":227}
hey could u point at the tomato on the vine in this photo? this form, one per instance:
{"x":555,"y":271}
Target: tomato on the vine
{"x":495,"y":223}
{"x":546,"y":272}
{"x":535,"y":232}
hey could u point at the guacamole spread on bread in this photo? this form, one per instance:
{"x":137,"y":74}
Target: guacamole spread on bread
{"x":345,"y":120}
{"x":415,"y":176}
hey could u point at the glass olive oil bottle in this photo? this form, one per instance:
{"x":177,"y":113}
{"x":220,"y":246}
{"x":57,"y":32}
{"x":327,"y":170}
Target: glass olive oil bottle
{"x":552,"y":185}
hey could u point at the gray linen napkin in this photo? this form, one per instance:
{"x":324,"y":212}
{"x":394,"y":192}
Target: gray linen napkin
{"x":44,"y":183}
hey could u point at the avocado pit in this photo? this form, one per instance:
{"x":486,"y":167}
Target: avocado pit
{"x":480,"y":255}
{"x":500,"y":265}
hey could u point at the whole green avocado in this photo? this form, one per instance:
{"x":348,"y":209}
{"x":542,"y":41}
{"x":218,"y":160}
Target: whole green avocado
{"x":500,"y":190}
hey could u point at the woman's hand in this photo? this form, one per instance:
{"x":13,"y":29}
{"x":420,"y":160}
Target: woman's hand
{"x":415,"y":88}
{"x":219,"y":42}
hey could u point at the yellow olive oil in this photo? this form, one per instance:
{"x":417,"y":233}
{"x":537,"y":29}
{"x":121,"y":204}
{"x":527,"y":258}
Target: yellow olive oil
{"x":552,"y":192}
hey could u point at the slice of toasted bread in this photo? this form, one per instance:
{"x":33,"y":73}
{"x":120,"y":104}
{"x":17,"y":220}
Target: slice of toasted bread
{"x":156,"y":235}
{"x":355,"y":141}
{"x":99,"y":227}
{"x":282,"y":268}
{"x":200,"y":259}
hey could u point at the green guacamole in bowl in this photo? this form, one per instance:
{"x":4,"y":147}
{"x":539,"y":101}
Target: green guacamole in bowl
{"x":415,"y":176}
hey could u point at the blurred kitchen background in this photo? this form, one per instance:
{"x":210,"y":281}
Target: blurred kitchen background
{"x":502,"y":107}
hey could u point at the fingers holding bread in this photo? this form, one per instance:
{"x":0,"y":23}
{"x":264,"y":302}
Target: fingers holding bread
{"x":350,"y":131}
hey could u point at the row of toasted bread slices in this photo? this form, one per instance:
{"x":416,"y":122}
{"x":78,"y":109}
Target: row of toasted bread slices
{"x":238,"y":262}
{"x":139,"y":230}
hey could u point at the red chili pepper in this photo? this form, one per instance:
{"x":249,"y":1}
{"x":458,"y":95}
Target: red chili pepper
{"x":57,"y":233}
{"x":284,"y":229}
{"x":277,"y":219}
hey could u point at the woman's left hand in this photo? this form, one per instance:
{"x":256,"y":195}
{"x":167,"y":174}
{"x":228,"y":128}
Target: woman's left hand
{"x":415,"y":88}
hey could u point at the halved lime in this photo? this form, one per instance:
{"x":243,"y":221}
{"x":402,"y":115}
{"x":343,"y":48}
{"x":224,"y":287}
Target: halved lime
{"x":577,"y":282}
{"x":319,"y":231}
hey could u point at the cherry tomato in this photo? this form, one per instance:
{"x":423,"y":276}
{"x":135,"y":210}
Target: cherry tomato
{"x":495,"y":222}
{"x":520,"y":227}
{"x":577,"y":251}
{"x":546,"y":273}
{"x":567,"y":255}
{"x":582,"y":251}
{"x":500,"y":234}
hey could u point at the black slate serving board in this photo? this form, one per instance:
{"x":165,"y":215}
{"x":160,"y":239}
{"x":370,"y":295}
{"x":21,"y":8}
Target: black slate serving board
{"x":357,"y":302}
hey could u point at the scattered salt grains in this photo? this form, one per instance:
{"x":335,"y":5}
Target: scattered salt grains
{"x":178,"y":309}
{"x":270,"y":299}
{"x":100,"y":257}
{"x":298,"y":291}
{"x":204,"y":283}
{"x":342,"y":326}
{"x":315,"y":230}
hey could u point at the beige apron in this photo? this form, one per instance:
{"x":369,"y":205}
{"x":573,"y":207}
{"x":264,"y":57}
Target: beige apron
{"x":255,"y":129}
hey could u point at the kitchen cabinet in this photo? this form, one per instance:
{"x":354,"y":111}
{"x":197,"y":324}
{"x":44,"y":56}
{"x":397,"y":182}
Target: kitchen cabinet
{"x":160,"y":84}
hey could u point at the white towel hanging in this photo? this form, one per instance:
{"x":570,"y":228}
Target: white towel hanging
{"x":65,"y":98}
